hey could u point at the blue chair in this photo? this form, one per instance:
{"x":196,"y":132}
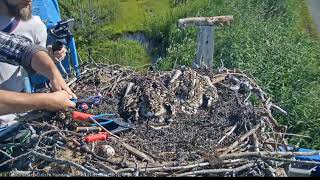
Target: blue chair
{"x":48,"y":11}
{"x":306,"y":170}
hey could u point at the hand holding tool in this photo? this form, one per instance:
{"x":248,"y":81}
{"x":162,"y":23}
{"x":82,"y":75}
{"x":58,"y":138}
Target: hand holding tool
{"x":85,"y":103}
{"x":61,"y":31}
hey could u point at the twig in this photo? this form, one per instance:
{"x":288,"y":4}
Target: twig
{"x":216,"y":171}
{"x":242,"y":139}
{"x":20,"y":173}
{"x":72,"y":81}
{"x":279,"y":144}
{"x":270,"y":170}
{"x":125,"y":170}
{"x":272,"y":119}
{"x":228,"y":134}
{"x":61,"y":161}
{"x":255,"y":142}
{"x":176,"y":75}
{"x":281,"y":110}
{"x":197,"y":165}
{"x":129,"y":87}
{"x":290,"y":134}
{"x":239,"y":74}
{"x":52,"y":131}
{"x":6,"y":154}
{"x":115,"y":83}
{"x":264,"y":153}
{"x":15,"y":158}
{"x":105,"y":167}
{"x":131,"y":149}
{"x":158,"y":128}
{"x":175,"y":168}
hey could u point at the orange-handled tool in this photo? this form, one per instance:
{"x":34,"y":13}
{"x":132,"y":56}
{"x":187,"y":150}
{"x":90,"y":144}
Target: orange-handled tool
{"x":97,"y":137}
{"x":80,"y":116}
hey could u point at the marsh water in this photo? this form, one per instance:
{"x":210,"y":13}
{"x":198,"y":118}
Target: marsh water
{"x":315,"y":12}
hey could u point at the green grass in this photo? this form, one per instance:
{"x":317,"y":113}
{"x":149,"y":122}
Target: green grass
{"x":133,"y":14}
{"x":113,"y":17}
{"x":123,"y":52}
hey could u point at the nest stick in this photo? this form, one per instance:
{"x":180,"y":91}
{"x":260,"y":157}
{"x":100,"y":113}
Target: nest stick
{"x":265,"y":153}
{"x":131,"y":149}
{"x":6,"y":154}
{"x":129,"y":87}
{"x":61,"y":161}
{"x":228,"y":134}
{"x":176,"y":75}
{"x":216,"y":171}
{"x":245,"y":136}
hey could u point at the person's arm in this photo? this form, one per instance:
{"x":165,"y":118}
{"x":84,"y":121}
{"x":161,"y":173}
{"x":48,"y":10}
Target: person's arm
{"x":12,"y":102}
{"x":17,"y":50}
{"x":42,"y":63}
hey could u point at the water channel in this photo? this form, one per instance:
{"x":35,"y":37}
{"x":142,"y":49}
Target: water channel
{"x":314,"y":6}
{"x":144,"y":41}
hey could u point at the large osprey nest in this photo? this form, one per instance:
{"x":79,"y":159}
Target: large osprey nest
{"x":186,"y":123}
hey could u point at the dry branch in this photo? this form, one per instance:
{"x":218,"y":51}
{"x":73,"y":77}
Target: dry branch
{"x":245,"y":136}
{"x":217,"y":171}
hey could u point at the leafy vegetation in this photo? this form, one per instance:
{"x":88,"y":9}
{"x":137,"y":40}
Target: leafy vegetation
{"x":273,"y":40}
{"x":101,"y":24}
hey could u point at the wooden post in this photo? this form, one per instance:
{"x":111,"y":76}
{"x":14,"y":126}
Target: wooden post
{"x":205,"y":49}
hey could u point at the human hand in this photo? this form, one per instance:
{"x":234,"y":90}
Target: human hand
{"x":59,"y":100}
{"x":58,"y":83}
{"x":57,"y":55}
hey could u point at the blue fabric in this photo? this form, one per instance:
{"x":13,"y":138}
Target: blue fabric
{"x":47,"y":10}
{"x":8,"y":28}
{"x":49,"y":13}
{"x":307,"y":158}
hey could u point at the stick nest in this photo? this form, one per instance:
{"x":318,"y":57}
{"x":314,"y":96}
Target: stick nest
{"x":186,"y":123}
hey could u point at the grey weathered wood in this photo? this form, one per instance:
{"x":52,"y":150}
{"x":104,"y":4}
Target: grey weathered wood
{"x":206,"y":21}
{"x":205,"y":47}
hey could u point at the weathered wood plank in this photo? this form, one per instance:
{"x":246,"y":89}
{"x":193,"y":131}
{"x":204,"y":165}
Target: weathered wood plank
{"x":206,"y":21}
{"x":205,"y":48}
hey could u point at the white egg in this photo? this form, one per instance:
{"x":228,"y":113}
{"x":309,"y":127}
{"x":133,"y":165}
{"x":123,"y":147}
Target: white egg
{"x":106,"y":151}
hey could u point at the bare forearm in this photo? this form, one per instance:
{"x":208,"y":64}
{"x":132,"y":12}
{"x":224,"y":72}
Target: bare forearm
{"x":42,"y":63}
{"x":12,"y":102}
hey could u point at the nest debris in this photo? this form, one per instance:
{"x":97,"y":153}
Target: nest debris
{"x":187,"y":123}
